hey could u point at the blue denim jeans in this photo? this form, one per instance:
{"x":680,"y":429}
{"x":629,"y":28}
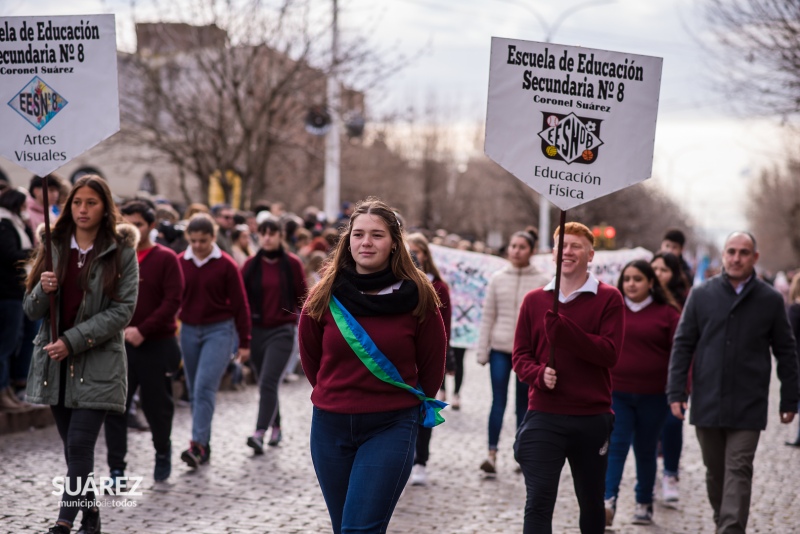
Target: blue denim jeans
{"x":21,"y":361}
{"x":500,"y":372}
{"x":363,"y":462}
{"x":672,"y":443}
{"x":207,"y":350}
{"x":639,"y":419}
{"x":10,"y":336}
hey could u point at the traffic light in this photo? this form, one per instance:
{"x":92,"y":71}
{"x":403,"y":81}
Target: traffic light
{"x":604,"y":237}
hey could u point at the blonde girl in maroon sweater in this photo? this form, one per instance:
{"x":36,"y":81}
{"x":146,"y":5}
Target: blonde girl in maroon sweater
{"x":214,"y":310}
{"x":639,"y":381}
{"x":364,"y":429}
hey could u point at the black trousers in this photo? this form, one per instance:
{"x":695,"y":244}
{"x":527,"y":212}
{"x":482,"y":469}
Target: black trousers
{"x":544,"y":442}
{"x":78,"y":429}
{"x":423,"y":447}
{"x":150,"y":366}
{"x":456,"y":360}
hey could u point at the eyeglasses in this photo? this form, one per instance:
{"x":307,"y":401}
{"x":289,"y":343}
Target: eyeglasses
{"x":226,"y":217}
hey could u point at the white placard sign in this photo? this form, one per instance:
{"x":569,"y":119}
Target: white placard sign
{"x":572,"y":123}
{"x":58,"y":88}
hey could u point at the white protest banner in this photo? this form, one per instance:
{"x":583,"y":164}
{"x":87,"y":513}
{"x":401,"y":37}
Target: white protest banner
{"x":606,"y":265}
{"x":572,"y":123}
{"x":467,"y":274}
{"x":58,"y":88}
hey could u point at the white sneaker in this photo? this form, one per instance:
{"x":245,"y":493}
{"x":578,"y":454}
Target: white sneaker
{"x":669,"y":489}
{"x":643,"y":514}
{"x":418,"y":475}
{"x":456,"y":402}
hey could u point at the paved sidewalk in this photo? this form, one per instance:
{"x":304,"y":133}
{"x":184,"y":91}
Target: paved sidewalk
{"x":278,"y":492}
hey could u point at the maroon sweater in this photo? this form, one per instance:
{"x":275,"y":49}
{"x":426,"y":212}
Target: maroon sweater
{"x":342,"y":384}
{"x":160,"y":291}
{"x":274,"y":314}
{"x":444,"y":295}
{"x":587,"y":333}
{"x":215,"y":293}
{"x":642,"y":366}
{"x":71,"y":294}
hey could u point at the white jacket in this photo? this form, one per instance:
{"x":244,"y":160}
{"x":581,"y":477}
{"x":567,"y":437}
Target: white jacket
{"x":504,"y":295}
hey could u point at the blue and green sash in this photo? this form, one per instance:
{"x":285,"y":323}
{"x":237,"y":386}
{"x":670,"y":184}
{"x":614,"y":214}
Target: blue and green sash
{"x":379,"y":365}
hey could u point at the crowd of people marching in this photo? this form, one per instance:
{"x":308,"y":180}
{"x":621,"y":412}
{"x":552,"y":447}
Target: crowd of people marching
{"x":137,"y":296}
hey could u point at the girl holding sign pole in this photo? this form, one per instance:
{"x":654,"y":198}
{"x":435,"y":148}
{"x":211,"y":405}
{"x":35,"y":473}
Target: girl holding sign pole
{"x":82,"y":373}
{"x":372,"y":344}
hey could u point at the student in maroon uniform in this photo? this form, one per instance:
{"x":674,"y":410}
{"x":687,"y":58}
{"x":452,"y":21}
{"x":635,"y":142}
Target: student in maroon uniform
{"x":364,"y":429}
{"x":81,"y":374}
{"x":569,"y":409}
{"x":213,"y":309}
{"x":639,"y":400}
{"x":151,"y":345}
{"x":276,"y":286}
{"x":418,"y":245}
{"x":670,"y":273}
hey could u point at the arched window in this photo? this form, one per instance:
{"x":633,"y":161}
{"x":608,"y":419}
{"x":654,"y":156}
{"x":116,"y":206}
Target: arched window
{"x":148,"y":184}
{"x":83,"y":171}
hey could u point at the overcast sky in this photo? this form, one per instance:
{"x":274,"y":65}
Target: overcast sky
{"x":705,"y":156}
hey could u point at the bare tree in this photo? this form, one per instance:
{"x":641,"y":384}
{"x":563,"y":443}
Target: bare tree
{"x":226,"y":101}
{"x":773,"y":210}
{"x":760,"y":40}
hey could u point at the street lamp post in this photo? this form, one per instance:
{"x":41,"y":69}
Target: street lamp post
{"x":550,"y":30}
{"x":332,"y":142}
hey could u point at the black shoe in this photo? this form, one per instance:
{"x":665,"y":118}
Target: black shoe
{"x":196,"y":455}
{"x":58,"y":529}
{"x":90,"y":523}
{"x":795,"y":443}
{"x":256,"y":442}
{"x":276,"y":437}
{"x":163,"y":468}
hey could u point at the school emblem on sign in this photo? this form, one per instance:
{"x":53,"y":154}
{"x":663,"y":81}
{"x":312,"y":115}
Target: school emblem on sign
{"x":570,"y":138}
{"x":37,"y":103}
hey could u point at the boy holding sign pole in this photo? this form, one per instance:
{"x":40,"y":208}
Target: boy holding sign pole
{"x":569,"y":405}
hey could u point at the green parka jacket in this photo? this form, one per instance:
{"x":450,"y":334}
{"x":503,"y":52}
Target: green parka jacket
{"x":97,"y":376}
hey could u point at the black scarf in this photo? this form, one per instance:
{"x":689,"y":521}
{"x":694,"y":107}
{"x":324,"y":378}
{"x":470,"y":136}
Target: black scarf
{"x":349,"y":285}
{"x":255,"y":292}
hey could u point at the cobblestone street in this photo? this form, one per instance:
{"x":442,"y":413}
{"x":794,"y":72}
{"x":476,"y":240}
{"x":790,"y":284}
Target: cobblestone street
{"x":278,"y":492}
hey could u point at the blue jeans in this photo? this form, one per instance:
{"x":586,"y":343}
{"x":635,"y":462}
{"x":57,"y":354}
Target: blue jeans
{"x":639,"y":419}
{"x":672,"y":443}
{"x":206,"y":350}
{"x":21,"y":362}
{"x":10,"y":336}
{"x":500,"y":372}
{"x":363,"y":462}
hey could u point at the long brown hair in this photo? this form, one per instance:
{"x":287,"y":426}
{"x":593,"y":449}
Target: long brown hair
{"x":659,"y":293}
{"x":400,"y":261}
{"x":421,"y":242}
{"x":62,"y":234}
